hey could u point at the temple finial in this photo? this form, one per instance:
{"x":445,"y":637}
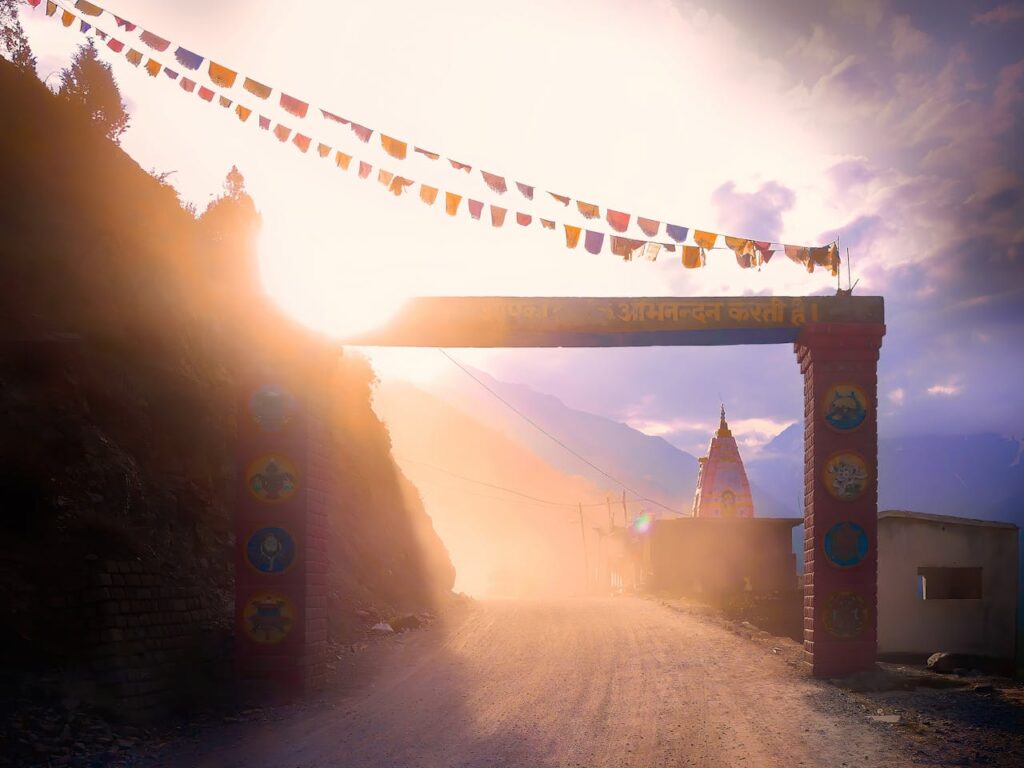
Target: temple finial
{"x":723,"y":426}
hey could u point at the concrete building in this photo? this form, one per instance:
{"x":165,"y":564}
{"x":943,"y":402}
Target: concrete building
{"x":946,"y":584}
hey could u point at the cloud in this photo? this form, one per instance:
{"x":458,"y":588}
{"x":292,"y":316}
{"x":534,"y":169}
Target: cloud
{"x":756,"y":213}
{"x":945,"y":390}
{"x":1002,"y":14}
{"x":896,"y":396}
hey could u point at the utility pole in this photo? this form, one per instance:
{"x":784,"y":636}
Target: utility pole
{"x":625,"y":512}
{"x":611,"y":517}
{"x":586,"y":559}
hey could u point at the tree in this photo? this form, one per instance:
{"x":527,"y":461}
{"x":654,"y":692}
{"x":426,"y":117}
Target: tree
{"x":13,"y":43}
{"x":89,"y":84}
{"x":234,"y":184}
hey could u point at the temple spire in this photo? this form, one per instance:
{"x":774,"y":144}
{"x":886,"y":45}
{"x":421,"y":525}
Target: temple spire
{"x":723,"y":426}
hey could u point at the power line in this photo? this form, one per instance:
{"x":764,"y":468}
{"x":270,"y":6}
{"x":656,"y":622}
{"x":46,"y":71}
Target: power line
{"x":543,"y":431}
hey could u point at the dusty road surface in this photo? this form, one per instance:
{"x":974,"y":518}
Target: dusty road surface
{"x":590,"y":683}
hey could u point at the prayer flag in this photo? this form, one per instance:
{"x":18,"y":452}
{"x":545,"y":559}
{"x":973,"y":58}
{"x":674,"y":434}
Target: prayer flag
{"x":322,"y":149}
{"x":393,"y":147}
{"x":364,"y":169}
{"x":796,"y":253}
{"x":87,"y":8}
{"x":115,"y":45}
{"x":676,"y":232}
{"x":588,"y":210}
{"x":51,"y":7}
{"x":617,"y":220}
{"x":134,"y":57}
{"x":224,"y":101}
{"x":764,"y":250}
{"x":342,"y":160}
{"x":242,"y":112}
{"x":476,"y":207}
{"x":84,"y":26}
{"x":187,"y":85}
{"x":188,"y":59}
{"x":691,"y":257}
{"x":293,"y":106}
{"x":460,"y":166}
{"x":651,"y":251}
{"x":171,"y":73}
{"x":496,"y":183}
{"x":101,"y":34}
{"x":451,"y":202}
{"x":398,"y":185}
{"x":649,"y":227}
{"x":525,"y":189}
{"x":498,"y":215}
{"x":626,"y":247}
{"x":560,"y":198}
{"x":593,"y":241}
{"x":705,"y":239}
{"x":361,"y":131}
{"x":428,"y":194}
{"x":259,"y":90}
{"x":128,"y":26}
{"x":427,"y":153}
{"x":282,"y":132}
{"x":547,"y":223}
{"x":67,"y":18}
{"x":523,"y":219}
{"x":34,"y":3}
{"x":302,"y":142}
{"x":331,"y":116}
{"x":205,"y":93}
{"x":154,"y":42}
{"x":572,"y":236}
{"x":385,"y":177}
{"x":221,"y":75}
{"x":153,"y":67}
{"x":264,"y":123}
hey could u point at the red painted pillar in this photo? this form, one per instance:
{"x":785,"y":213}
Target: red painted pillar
{"x":284,"y":493}
{"x":839,"y":364}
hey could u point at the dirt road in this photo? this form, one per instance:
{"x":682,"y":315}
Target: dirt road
{"x":623,"y":682}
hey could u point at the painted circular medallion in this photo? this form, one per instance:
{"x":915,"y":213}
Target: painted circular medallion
{"x":846,"y":544}
{"x":844,"y":407}
{"x":271,"y":479}
{"x":272,"y":407}
{"x":268,"y":618}
{"x":846,"y":614}
{"x":270,"y":550}
{"x":845,"y":476}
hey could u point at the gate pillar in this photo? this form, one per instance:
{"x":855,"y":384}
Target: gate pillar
{"x":284,"y":492}
{"x":839,"y":365}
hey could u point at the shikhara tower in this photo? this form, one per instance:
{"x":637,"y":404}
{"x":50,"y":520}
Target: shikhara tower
{"x":722,"y":487}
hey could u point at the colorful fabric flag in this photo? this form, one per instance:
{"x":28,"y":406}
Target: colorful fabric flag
{"x":259,"y":90}
{"x":626,"y":247}
{"x":394,"y":147}
{"x":84,"y":27}
{"x":187,"y":59}
{"x":744,"y":250}
{"x":705,"y":240}
{"x":242,"y":112}
{"x":224,"y":101}
{"x":282,"y":132}
{"x":115,"y":45}
{"x":322,"y":149}
{"x":525,"y":189}
{"x":428,"y":194}
{"x":362,"y":132}
{"x":293,"y":106}
{"x":221,"y":75}
{"x":498,"y":215}
{"x":205,"y":93}
{"x":398,"y":185}
{"x":87,"y":8}
{"x":593,"y":241}
{"x":342,"y":160}
{"x":134,"y":57}
{"x":460,"y":166}
{"x":798,"y":254}
{"x":67,"y":18}
{"x":588,"y":210}
{"x":187,"y":85}
{"x":51,"y":7}
{"x":264,"y":123}
{"x":331,"y":116}
{"x":560,"y":198}
{"x":154,"y":42}
{"x":451,"y":203}
{"x":34,"y":3}
{"x":649,"y":227}
{"x":385,"y":177}
{"x":128,"y":26}
{"x":651,"y":251}
{"x":547,"y":223}
{"x":523,"y":219}
{"x":764,"y":250}
{"x":496,"y":183}
{"x":171,"y":73}
{"x":101,"y":34}
{"x":692,"y":257}
{"x":153,"y":67}
{"x":427,"y":153}
{"x":572,"y":235}
{"x":302,"y":142}
{"x":476,"y":207}
{"x":364,"y":169}
{"x":676,"y":232}
{"x":617,"y":220}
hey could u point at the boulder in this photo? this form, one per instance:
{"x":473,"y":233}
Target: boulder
{"x":947,"y":663}
{"x":382,"y":628}
{"x":403,"y":623}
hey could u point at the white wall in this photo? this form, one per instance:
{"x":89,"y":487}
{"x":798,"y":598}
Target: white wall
{"x":908,"y":624}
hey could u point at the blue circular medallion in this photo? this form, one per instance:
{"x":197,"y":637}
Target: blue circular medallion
{"x":846,"y":544}
{"x":845,"y":407}
{"x":270,"y":550}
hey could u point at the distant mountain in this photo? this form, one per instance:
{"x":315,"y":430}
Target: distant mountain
{"x":651,"y":465}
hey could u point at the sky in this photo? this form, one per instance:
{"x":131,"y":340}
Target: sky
{"x":895,"y":125}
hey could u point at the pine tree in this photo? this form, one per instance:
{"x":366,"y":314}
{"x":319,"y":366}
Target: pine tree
{"x":234,"y":184}
{"x":13,"y":43}
{"x":88,"y":83}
